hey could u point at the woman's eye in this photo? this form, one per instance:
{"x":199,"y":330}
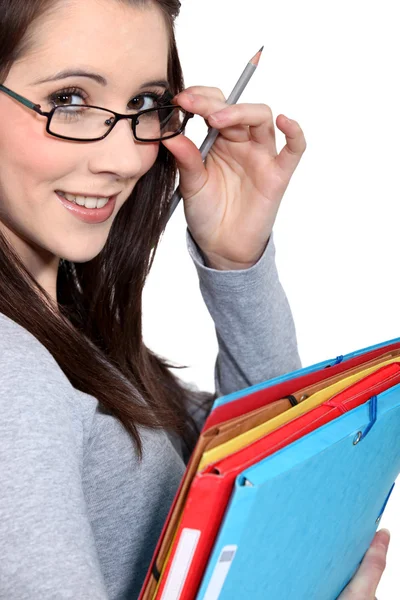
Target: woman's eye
{"x":144,"y":102}
{"x":66,"y":98}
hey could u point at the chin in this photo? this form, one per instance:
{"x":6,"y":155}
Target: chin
{"x":80,"y":258}
{"x":83,"y":256}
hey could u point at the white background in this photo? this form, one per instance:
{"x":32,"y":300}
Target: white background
{"x":335,"y":69}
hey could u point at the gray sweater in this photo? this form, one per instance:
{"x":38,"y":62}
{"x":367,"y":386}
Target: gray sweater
{"x":79,"y":515}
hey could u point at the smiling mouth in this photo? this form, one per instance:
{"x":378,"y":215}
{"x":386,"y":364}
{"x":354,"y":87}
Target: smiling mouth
{"x":85,"y":201}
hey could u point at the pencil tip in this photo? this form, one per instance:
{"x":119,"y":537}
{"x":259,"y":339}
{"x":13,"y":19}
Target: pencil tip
{"x":256,"y":58}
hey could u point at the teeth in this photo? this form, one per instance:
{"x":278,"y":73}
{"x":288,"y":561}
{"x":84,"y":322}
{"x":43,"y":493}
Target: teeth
{"x":85,"y":200}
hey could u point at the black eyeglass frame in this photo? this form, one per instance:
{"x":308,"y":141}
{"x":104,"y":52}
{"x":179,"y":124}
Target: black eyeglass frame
{"x":118,"y":117}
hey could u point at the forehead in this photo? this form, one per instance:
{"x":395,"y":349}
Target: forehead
{"x":115,"y":38}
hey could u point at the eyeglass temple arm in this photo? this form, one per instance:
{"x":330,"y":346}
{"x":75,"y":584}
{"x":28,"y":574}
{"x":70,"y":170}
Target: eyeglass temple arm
{"x":35,"y":107}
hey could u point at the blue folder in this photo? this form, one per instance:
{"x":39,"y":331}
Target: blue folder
{"x":300,"y":521}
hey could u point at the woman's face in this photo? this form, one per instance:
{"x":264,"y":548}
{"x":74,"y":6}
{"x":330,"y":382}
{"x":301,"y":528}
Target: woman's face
{"x":128,"y":47}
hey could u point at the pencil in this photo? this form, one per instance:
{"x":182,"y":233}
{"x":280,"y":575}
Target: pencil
{"x":212,"y":132}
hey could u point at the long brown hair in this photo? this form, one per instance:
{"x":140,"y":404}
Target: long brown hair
{"x":96,"y":335}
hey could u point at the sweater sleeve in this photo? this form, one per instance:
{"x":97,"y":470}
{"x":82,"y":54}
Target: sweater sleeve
{"x":253,"y":321}
{"x":47,"y":548}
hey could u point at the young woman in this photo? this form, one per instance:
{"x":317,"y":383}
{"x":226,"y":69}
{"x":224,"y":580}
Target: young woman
{"x":94,"y":428}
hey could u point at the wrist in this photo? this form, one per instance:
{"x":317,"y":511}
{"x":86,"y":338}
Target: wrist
{"x":218,"y":263}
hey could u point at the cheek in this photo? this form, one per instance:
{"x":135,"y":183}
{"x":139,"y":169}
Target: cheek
{"x":34,"y":153}
{"x":52,"y":156}
{"x":149,"y":157}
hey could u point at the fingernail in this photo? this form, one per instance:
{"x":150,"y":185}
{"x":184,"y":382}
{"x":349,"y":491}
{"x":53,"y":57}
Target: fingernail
{"x":381,"y":542}
{"x":387,"y":531}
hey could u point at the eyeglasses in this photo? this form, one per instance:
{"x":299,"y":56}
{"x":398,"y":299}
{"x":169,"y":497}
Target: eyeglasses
{"x":85,"y":123}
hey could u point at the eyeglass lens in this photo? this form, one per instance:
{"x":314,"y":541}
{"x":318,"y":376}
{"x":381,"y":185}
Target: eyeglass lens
{"x":86,"y":122}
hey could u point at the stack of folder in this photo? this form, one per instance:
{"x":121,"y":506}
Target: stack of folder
{"x":286,"y":486}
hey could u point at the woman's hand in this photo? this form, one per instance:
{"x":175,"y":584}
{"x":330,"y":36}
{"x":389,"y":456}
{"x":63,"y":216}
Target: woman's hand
{"x":365,"y":581}
{"x":231,"y":200}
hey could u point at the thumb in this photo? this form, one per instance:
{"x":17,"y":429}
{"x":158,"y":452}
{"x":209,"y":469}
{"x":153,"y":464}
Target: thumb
{"x":192,"y":172}
{"x":368,"y":575}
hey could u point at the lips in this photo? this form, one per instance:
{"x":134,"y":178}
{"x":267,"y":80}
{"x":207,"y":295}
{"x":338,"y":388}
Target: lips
{"x":88,"y":215}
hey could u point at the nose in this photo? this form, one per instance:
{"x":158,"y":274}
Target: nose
{"x":119,"y":152}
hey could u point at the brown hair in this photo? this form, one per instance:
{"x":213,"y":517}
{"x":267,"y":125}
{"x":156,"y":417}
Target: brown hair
{"x":96,"y":336}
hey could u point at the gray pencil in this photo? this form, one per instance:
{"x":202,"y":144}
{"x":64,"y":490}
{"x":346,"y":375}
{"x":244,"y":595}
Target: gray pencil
{"x":212,"y":132}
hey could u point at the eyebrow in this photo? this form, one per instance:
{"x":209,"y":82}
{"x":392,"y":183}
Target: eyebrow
{"x":96,"y":77}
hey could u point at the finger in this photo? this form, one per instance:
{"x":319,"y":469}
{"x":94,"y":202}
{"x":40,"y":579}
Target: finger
{"x":366,"y":580}
{"x":192,"y":172}
{"x":258,"y":118}
{"x":246,"y":121}
{"x":202,"y":90}
{"x":290,"y":155}
{"x":199,"y":104}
